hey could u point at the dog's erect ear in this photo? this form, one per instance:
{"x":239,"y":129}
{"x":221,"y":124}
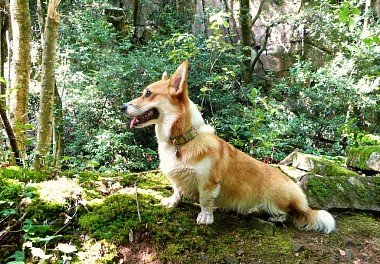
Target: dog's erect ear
{"x":178,"y":80}
{"x":165,"y":76}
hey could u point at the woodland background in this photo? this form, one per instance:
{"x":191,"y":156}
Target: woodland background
{"x":270,"y":75}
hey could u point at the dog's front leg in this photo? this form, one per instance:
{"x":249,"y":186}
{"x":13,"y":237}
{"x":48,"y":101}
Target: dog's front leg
{"x":173,"y":200}
{"x":207,"y":197}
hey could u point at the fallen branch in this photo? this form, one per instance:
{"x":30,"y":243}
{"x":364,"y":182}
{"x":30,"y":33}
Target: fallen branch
{"x":4,"y":234}
{"x":137,"y":203}
{"x":264,"y":46}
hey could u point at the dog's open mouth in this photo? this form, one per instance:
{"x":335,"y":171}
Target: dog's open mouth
{"x":145,"y":117}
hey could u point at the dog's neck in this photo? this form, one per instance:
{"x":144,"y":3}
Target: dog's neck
{"x":177,"y":125}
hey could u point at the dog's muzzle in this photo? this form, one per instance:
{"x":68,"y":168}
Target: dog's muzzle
{"x":124,"y":108}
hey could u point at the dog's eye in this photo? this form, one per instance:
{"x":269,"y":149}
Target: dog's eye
{"x":148,"y":93}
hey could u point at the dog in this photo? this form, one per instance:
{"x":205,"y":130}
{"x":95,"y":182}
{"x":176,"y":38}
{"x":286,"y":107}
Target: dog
{"x":205,"y":168}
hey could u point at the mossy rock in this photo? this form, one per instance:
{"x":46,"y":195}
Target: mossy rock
{"x":321,"y":166}
{"x":343,"y":192}
{"x":364,"y":158}
{"x":370,"y":140}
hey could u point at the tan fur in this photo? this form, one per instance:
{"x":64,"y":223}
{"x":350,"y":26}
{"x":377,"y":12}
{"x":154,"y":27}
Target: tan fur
{"x":213,"y":171}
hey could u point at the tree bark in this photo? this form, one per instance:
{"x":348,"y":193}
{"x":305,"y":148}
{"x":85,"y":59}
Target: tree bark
{"x":58,"y":140}
{"x":4,"y":26}
{"x":258,"y":13}
{"x":45,"y":119}
{"x":136,"y":21}
{"x":21,"y":31}
{"x":247,"y":40}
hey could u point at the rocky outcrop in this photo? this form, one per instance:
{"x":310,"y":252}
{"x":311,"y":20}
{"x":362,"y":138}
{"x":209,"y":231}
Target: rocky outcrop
{"x":365,"y":158}
{"x":313,"y":164}
{"x":342,"y":192}
{"x":330,"y":185}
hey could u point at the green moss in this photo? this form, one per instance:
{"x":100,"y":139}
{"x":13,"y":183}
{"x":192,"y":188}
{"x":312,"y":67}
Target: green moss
{"x":24,"y":175}
{"x":344,"y":190}
{"x":115,"y":217}
{"x":358,"y":157}
{"x":153,"y":180}
{"x":370,"y":140}
{"x":41,"y":211}
{"x":328,"y":168}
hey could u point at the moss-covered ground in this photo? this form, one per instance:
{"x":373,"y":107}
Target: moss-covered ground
{"x":106,"y":222}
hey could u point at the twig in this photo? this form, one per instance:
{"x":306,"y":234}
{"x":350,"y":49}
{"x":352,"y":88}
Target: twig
{"x":264,"y":47}
{"x":8,"y":229}
{"x":137,"y":203}
{"x":71,"y":217}
{"x":258,"y":13}
{"x":2,"y":220}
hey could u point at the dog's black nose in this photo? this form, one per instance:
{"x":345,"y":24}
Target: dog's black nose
{"x":124,"y":107}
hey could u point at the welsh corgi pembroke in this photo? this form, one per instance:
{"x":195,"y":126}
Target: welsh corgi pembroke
{"x":205,"y":168}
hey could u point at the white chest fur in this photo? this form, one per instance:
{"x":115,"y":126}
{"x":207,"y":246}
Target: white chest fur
{"x":185,"y":175}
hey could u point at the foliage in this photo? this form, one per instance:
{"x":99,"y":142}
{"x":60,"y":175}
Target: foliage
{"x":319,"y":108}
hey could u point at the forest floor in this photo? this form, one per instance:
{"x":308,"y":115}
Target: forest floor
{"x":107,"y":222}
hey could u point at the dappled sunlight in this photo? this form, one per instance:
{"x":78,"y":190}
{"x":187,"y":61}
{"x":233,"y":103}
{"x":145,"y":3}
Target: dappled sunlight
{"x":59,"y":191}
{"x":94,"y":251}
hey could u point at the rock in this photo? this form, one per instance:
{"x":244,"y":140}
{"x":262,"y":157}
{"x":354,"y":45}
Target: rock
{"x":318,"y":165}
{"x":365,"y":158}
{"x":293,"y":173}
{"x":298,"y":247}
{"x":239,"y":252}
{"x":230,"y":260}
{"x":342,"y":192}
{"x":349,"y":255}
{"x":265,"y":227}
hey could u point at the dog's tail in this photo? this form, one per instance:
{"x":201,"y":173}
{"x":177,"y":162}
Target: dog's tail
{"x":318,"y":220}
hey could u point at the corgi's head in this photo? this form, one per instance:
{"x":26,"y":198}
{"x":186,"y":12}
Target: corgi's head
{"x":162,"y":102}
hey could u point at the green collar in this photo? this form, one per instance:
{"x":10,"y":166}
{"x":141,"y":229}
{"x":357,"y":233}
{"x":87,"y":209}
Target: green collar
{"x":182,"y":139}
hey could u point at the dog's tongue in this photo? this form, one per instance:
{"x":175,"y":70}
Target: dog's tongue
{"x":133,"y":122}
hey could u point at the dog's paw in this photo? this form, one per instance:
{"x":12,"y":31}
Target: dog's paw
{"x":170,"y":202}
{"x":205,"y":218}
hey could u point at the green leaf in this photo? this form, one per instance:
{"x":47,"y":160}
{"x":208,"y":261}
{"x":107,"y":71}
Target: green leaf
{"x":356,"y":11}
{"x":44,"y":239}
{"x":18,"y":256}
{"x":7,"y":212}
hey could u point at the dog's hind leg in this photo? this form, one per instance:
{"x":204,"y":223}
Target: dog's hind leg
{"x":207,"y":195}
{"x":173,"y":200}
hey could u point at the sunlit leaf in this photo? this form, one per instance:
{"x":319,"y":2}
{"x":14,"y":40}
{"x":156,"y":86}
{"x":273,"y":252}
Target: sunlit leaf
{"x":66,"y":248}
{"x":39,"y":253}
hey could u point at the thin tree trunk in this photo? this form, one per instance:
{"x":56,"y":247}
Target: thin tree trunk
{"x":58,"y":140}
{"x":136,"y":21}
{"x":45,"y":119}
{"x":247,"y":40}
{"x":205,"y":18}
{"x":4,"y":26}
{"x":21,"y":31}
{"x":258,"y":13}
{"x":230,"y":21}
{"x":40,"y":18}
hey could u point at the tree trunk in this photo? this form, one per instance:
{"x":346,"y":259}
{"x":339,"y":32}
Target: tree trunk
{"x":58,"y":140}
{"x":4,"y":26}
{"x":45,"y":119}
{"x":205,"y":19}
{"x":21,"y":31}
{"x":136,"y":21}
{"x":247,"y":41}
